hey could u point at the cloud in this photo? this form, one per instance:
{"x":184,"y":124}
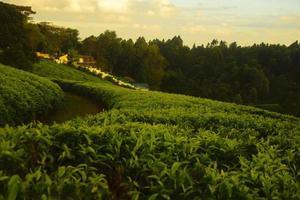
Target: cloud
{"x":58,"y":5}
{"x":150,"y":13}
{"x":274,"y":22}
{"x":152,"y":27}
{"x":161,"y":8}
{"x":113,"y":5}
{"x":76,"y":5}
{"x":196,"y":22}
{"x":290,"y":19}
{"x":194,"y":29}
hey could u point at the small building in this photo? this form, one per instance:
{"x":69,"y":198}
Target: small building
{"x":62,"y":59}
{"x":41,"y":55}
{"x":86,"y":61}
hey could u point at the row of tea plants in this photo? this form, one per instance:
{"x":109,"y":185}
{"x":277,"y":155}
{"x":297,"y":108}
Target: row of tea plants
{"x":152,"y":145}
{"x":24,"y":96}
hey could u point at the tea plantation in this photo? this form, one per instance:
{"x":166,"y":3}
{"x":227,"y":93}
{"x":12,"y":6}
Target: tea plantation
{"x":151,"y":145}
{"x":24,"y":96}
{"x":53,"y":71}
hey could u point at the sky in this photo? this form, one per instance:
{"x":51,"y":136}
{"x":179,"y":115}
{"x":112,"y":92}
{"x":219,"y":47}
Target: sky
{"x":196,"y":21}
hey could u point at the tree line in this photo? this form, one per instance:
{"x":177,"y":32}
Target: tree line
{"x":20,"y":38}
{"x":258,"y":74}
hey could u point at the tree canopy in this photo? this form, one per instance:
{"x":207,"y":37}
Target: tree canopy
{"x":14,"y":49}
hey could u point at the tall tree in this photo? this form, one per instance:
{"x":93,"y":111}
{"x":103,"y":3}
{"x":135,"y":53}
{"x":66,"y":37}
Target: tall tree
{"x":108,"y":50}
{"x":14,"y":49}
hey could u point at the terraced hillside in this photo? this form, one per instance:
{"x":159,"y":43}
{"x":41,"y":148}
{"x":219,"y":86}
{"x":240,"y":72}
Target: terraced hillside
{"x":152,"y":145}
{"x":24,"y":96}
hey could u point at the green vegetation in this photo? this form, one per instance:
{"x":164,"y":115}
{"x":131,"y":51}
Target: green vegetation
{"x":148,"y":145}
{"x":24,"y":96}
{"x":250,"y":75}
{"x":14,"y":36}
{"x":257,"y":74}
{"x":53,"y":71}
{"x":153,"y":145}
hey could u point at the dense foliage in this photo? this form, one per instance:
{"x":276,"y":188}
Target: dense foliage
{"x":259,"y":74}
{"x":14,"y":47}
{"x":24,"y":96}
{"x":20,"y":38}
{"x":55,"y":40}
{"x":139,"y":60}
{"x":153,"y":145}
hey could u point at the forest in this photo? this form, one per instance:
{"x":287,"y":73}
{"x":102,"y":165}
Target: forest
{"x":263,"y":75}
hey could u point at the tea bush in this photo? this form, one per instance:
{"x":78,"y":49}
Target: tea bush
{"x":23,"y":96}
{"x":53,"y":70}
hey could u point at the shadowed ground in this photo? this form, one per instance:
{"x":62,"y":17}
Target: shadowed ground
{"x":72,"y":106}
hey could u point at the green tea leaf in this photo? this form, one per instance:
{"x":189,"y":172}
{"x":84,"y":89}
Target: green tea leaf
{"x":13,"y":187}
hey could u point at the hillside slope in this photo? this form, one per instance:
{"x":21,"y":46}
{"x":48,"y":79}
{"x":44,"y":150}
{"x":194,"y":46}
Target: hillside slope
{"x":153,"y":145}
{"x":23,"y":96}
{"x":53,"y":71}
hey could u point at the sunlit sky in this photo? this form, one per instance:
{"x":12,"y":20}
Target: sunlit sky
{"x":196,"y":21}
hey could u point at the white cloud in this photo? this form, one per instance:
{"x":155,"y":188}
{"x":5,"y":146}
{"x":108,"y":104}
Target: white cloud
{"x":167,"y":8}
{"x":75,"y":5}
{"x":163,"y":19}
{"x":163,"y":7}
{"x":194,"y":29}
{"x":152,"y":27}
{"x":158,"y":8}
{"x":113,"y":5}
{"x":150,"y":13}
